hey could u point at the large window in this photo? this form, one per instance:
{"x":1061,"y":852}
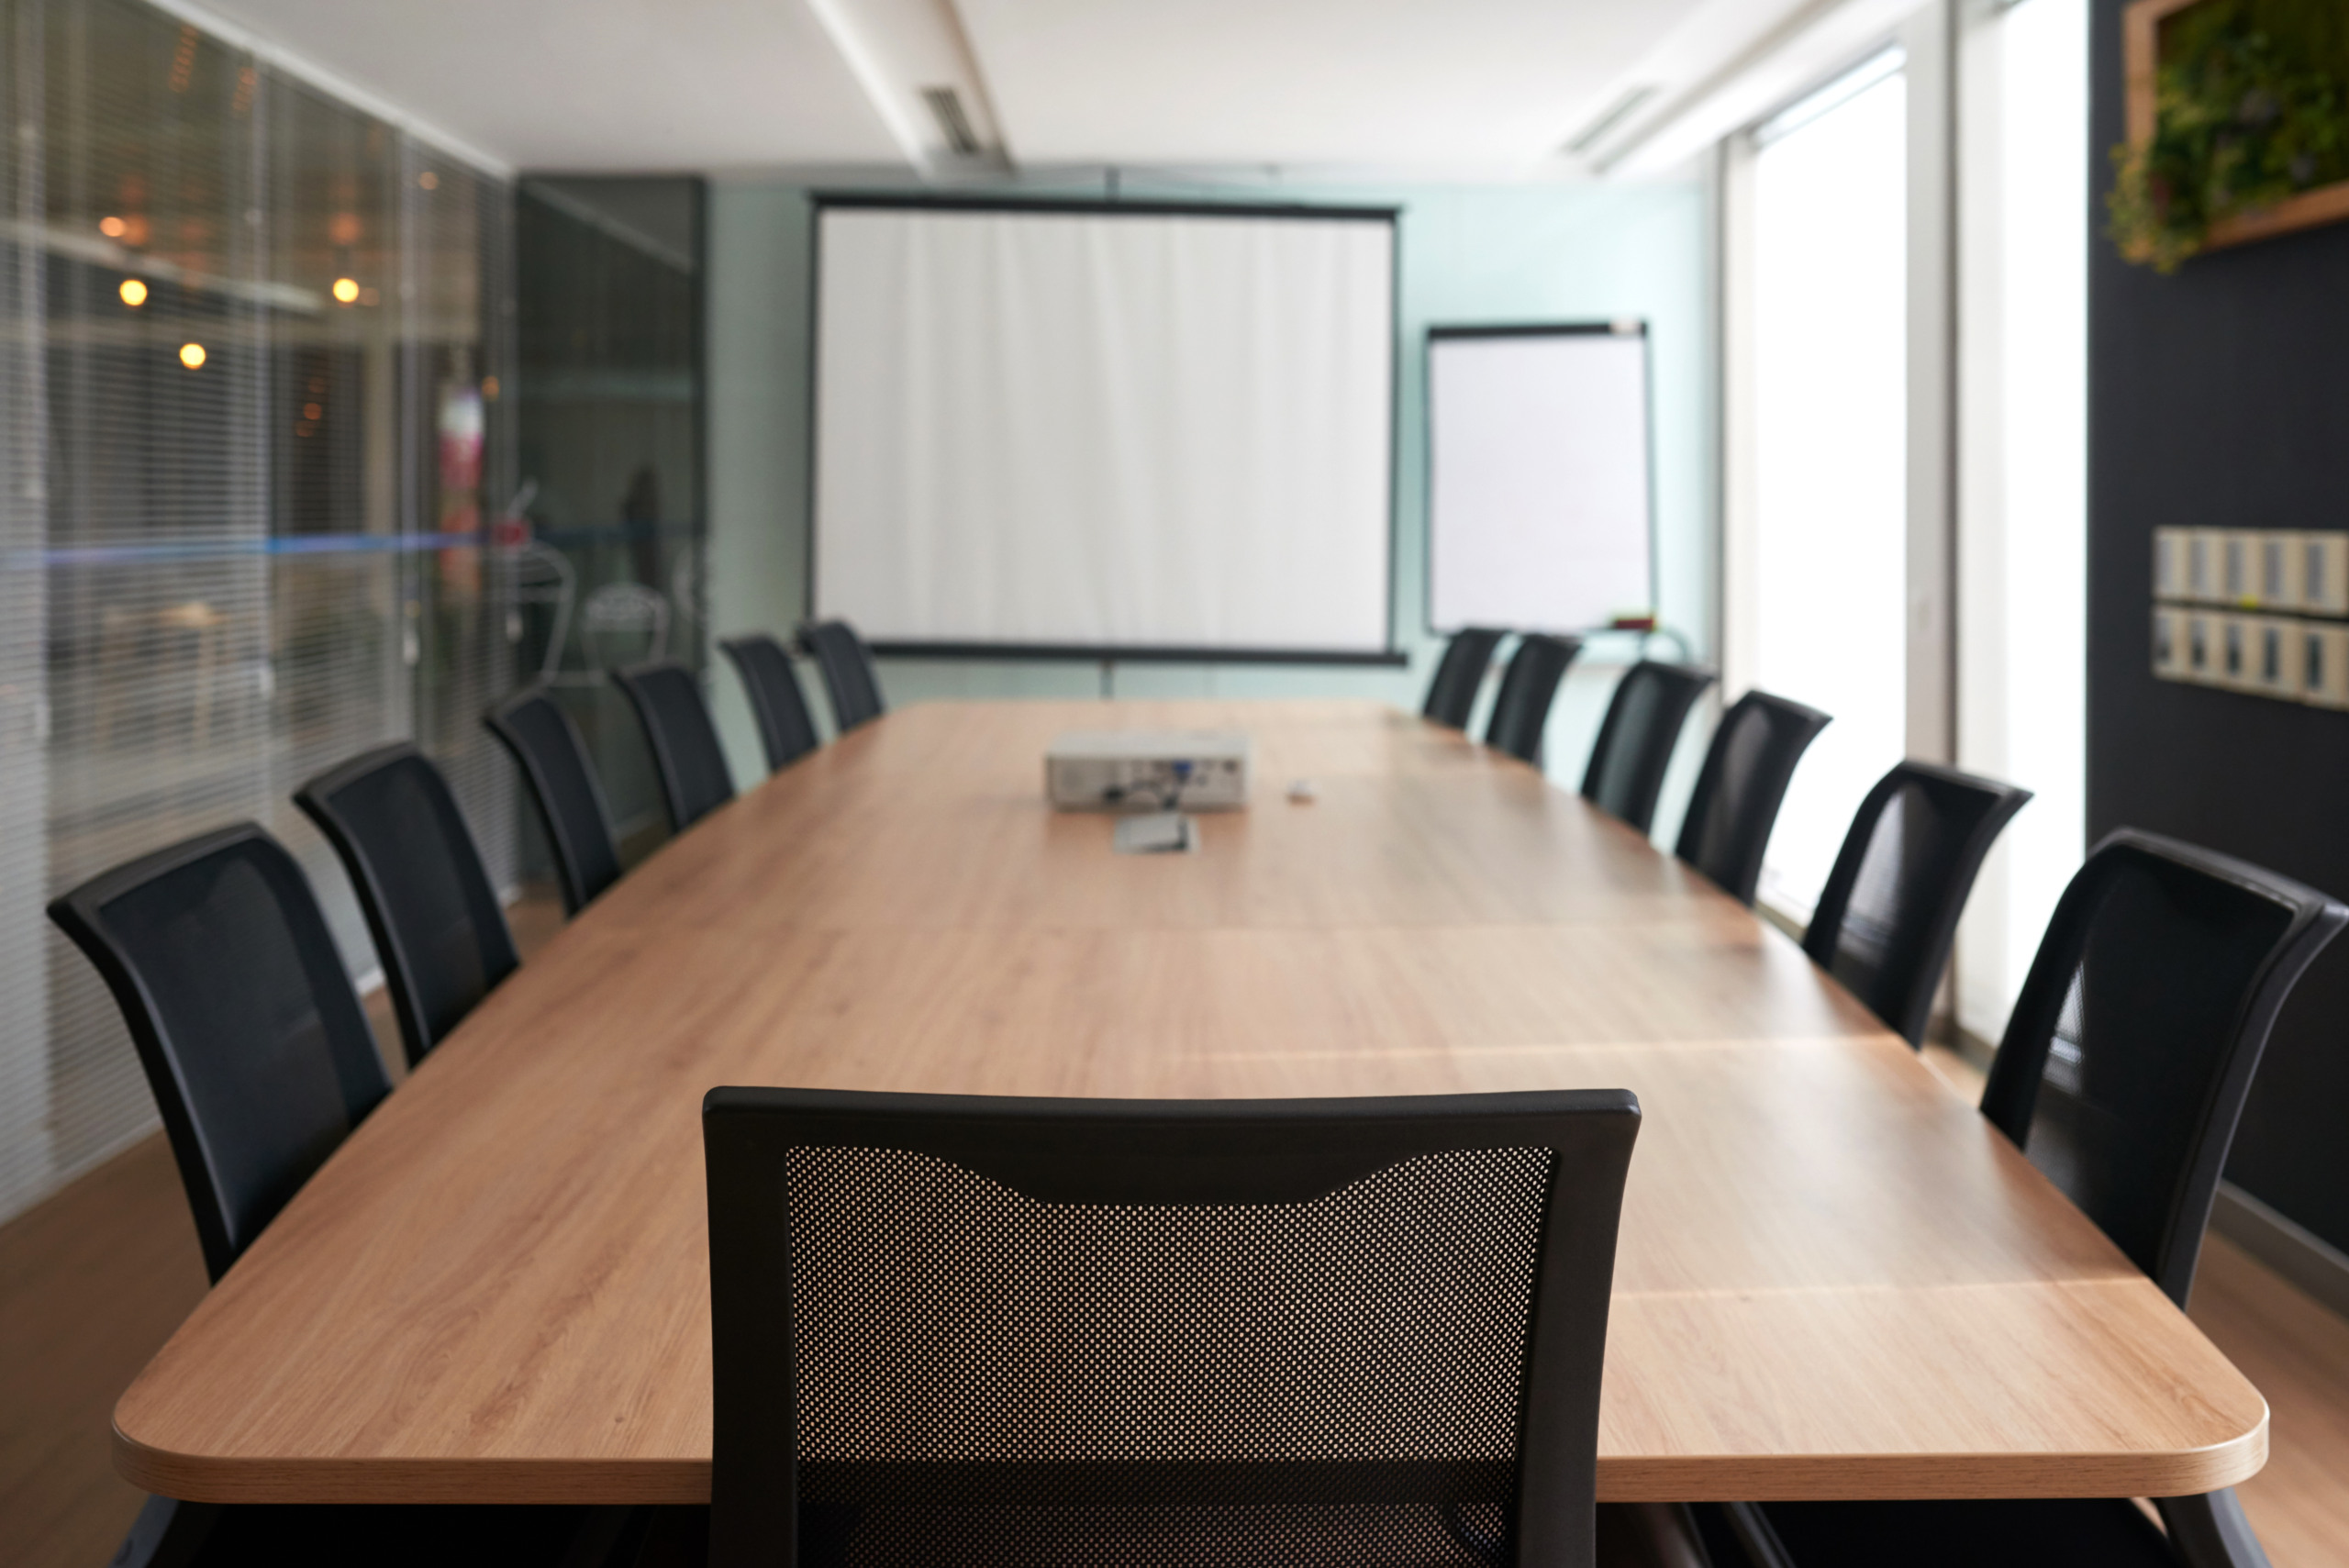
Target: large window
{"x":1823,"y":603}
{"x":2022,"y":544}
{"x":250,"y":343}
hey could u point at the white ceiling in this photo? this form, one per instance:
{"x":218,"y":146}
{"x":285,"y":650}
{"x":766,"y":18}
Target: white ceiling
{"x":1375,"y":87}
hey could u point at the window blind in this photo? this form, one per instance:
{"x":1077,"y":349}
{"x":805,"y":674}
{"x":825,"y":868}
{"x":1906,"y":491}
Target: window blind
{"x":238,"y":547}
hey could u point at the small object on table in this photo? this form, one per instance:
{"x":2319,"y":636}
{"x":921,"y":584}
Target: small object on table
{"x":1160,"y":833}
{"x":1302,"y":791}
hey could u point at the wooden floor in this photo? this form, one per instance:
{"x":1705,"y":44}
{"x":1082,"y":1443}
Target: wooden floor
{"x":94,"y":1280}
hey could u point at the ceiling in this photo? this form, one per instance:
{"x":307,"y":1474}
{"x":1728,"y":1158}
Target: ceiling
{"x":1387,"y":87}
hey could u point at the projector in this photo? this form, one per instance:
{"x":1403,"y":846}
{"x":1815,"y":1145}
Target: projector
{"x":1148,"y":770}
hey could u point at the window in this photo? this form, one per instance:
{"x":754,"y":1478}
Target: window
{"x":1822,"y":602}
{"x":2022,"y":541}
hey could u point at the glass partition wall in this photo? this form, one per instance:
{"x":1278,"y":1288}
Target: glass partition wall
{"x":251,"y":343}
{"x":610,"y":431}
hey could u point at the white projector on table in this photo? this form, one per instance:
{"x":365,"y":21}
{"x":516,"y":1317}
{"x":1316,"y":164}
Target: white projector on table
{"x":1148,"y":770}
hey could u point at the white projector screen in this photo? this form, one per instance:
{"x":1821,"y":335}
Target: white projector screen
{"x":1104,"y":431}
{"x":1538,"y":515}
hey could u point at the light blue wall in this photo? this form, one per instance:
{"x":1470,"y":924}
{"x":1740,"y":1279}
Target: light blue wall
{"x":1469,"y":254}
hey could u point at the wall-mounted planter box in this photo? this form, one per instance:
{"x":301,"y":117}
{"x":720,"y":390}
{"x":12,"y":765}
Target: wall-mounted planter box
{"x":2141,"y":30}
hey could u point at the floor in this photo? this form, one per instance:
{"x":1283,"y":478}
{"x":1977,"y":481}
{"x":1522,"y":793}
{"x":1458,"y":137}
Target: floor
{"x":94,"y":1280}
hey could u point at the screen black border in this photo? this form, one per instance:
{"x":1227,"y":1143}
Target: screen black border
{"x":1392,"y":216}
{"x":1611,"y":328}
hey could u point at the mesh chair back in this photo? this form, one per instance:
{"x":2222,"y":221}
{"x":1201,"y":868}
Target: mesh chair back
{"x":1637,"y":737}
{"x":785,"y":728}
{"x":686,"y":750}
{"x":1012,"y":1331}
{"x":554,"y":759}
{"x":1451,"y":694}
{"x":849,"y":675}
{"x":435,"y":920}
{"x":1887,"y":918}
{"x":2131,"y":1049}
{"x":252,"y":1039}
{"x":1743,"y":782}
{"x":1521,"y":709}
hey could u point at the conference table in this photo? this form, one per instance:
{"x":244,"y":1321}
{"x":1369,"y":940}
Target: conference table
{"x":1834,"y":1278}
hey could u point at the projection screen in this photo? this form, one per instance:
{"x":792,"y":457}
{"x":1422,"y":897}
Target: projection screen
{"x":1106,"y":431}
{"x":1539,"y":513}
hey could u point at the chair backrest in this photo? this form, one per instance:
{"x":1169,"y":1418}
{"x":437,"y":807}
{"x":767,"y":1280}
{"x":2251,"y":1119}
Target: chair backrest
{"x":438,"y":926}
{"x":254,"y":1043}
{"x":785,"y":728}
{"x":1739,"y":790}
{"x":932,"y":1299}
{"x":554,"y":759}
{"x":1521,"y":707}
{"x":1637,"y":737}
{"x":849,"y":675}
{"x":2129,"y":1055}
{"x":1885,"y":922}
{"x":1460,"y":675}
{"x":686,"y":750}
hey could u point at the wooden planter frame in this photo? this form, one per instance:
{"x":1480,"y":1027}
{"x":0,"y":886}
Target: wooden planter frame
{"x":2141,"y":28}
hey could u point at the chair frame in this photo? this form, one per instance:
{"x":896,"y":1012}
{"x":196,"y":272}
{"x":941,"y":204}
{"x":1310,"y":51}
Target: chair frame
{"x":1214,"y":1152}
{"x":1688,"y":683}
{"x":658,"y":740}
{"x":575,"y":895}
{"x":1746,"y":874}
{"x":771,"y":726}
{"x":2011,"y":1093}
{"x":1530,"y":646}
{"x":1470,"y":646}
{"x":810,"y":638}
{"x":80,"y":914}
{"x":1940,"y":932}
{"x":316,"y":799}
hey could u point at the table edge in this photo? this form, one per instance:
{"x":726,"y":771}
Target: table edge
{"x":1682,"y":1479}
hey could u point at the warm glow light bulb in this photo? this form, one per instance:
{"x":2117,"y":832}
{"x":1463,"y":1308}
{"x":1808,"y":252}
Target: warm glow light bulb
{"x":113,"y":228}
{"x":345,"y":289}
{"x":133,"y":292}
{"x":192,"y":355}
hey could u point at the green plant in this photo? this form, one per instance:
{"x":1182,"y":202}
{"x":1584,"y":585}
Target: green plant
{"x":2251,"y":106}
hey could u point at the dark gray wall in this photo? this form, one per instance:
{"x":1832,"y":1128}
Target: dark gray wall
{"x":2219,"y":397}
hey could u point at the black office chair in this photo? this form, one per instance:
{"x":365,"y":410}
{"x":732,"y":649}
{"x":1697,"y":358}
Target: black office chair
{"x":1887,"y":916}
{"x":1522,"y":708}
{"x":438,"y":926}
{"x":2122,"y":1074}
{"x":1742,"y":784}
{"x":261,"y":1061}
{"x":253,"y":1042}
{"x":1637,"y":737}
{"x":849,"y":675}
{"x":785,"y":728}
{"x":1460,"y":675}
{"x":553,"y":760}
{"x":685,"y":751}
{"x":1021,"y":1330}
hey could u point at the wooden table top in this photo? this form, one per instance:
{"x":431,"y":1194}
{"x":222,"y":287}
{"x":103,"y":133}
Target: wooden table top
{"x":1835,"y":1279}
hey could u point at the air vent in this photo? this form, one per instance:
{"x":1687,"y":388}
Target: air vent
{"x":946,"y":108}
{"x":1624,"y":108}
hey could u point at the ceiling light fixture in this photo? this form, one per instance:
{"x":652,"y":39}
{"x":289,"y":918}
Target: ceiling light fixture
{"x":953,"y":124}
{"x":1622,"y":109}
